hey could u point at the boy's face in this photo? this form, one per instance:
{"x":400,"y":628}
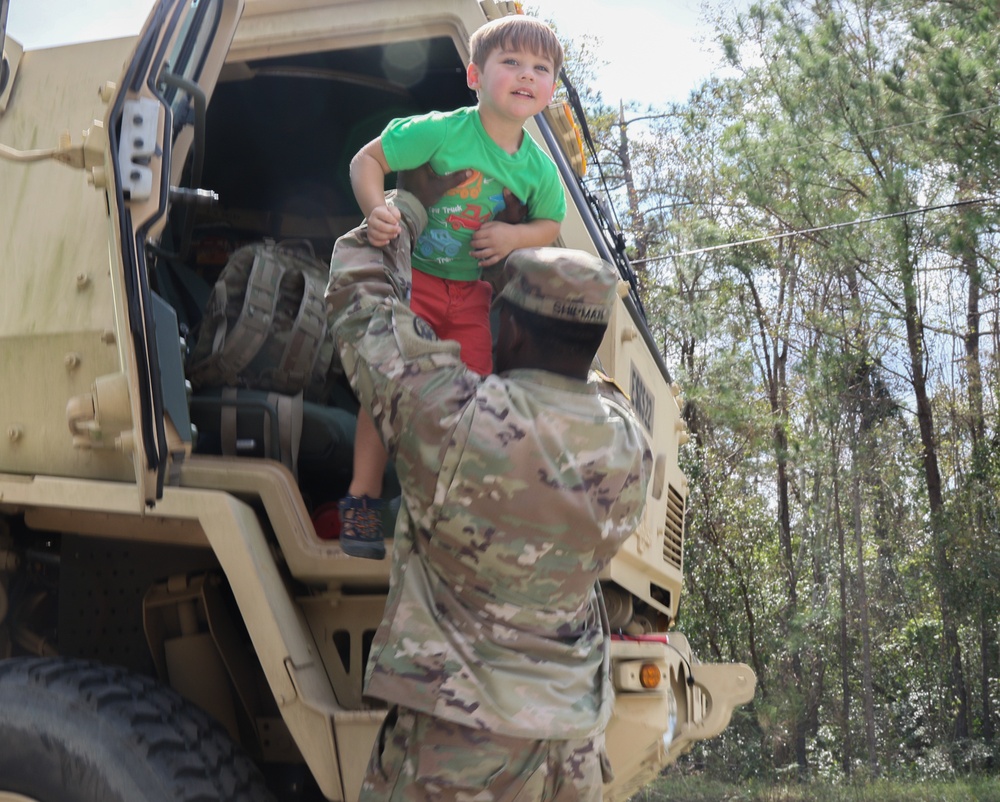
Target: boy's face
{"x":516,"y":84}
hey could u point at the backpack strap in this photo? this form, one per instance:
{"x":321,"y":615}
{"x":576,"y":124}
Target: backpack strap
{"x":288,"y":409}
{"x":265,"y":324}
{"x":252,"y":327}
{"x":228,"y":430}
{"x":289,"y":428}
{"x":303,"y":349}
{"x":234,"y":347}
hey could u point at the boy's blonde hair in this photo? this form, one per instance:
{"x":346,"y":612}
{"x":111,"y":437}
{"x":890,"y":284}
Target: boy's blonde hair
{"x":516,"y":32}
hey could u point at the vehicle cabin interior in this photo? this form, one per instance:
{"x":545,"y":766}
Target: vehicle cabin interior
{"x":279,"y":136}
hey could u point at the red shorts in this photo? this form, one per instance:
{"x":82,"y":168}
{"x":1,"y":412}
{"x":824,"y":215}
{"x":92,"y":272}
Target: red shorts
{"x":457,"y":310}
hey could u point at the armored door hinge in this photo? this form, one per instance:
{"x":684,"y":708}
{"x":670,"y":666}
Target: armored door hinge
{"x":102,"y":418}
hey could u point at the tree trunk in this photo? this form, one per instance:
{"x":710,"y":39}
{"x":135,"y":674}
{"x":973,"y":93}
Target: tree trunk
{"x":867,"y":683}
{"x":847,"y":753}
{"x":932,"y":478}
{"x":977,"y":429}
{"x":638,"y":224}
{"x":774,"y":362}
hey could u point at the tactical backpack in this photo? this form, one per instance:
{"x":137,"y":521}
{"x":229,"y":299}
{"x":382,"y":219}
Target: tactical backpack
{"x":265,"y":324}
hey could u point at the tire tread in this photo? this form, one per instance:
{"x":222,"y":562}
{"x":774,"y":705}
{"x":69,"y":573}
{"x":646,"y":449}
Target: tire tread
{"x":191,"y":752}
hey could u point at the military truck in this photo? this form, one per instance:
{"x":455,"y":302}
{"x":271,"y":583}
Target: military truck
{"x":177,"y":619}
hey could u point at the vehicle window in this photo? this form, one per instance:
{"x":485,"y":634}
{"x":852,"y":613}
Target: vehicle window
{"x":201,"y":17}
{"x":3,"y":34}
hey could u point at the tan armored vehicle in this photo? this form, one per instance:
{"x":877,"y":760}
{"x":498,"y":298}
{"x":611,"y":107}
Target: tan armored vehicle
{"x":177,"y":619}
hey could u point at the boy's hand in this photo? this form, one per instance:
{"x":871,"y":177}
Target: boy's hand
{"x":383,"y":225}
{"x":493,"y":242}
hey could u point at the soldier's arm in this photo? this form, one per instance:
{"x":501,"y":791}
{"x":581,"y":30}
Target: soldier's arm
{"x":395,"y":363}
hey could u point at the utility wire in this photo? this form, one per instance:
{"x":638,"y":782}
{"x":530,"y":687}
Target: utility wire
{"x":859,"y":134}
{"x":894,"y":127}
{"x":802,"y":231}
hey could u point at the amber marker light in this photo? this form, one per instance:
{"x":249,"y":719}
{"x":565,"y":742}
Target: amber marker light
{"x":650,"y":676}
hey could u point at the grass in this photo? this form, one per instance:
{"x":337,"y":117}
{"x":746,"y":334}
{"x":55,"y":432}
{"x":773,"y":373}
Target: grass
{"x":688,"y":788}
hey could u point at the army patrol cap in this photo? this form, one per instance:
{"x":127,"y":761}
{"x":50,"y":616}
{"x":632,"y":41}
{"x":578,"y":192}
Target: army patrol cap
{"x":560,"y":283}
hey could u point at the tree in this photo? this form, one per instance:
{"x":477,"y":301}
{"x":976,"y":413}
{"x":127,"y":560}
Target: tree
{"x":821,"y":276}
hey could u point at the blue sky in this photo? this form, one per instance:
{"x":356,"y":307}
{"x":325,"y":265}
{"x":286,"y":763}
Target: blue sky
{"x":657,"y":50}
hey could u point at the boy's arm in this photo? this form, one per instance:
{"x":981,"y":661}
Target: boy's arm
{"x":369,"y":168}
{"x":494,"y":241}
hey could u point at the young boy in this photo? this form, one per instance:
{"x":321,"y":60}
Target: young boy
{"x":515,"y":62}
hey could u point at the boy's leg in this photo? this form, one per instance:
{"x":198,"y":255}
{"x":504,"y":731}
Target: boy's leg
{"x":470,"y":324}
{"x":460,"y":311}
{"x":370,"y":458}
{"x":360,"y":510}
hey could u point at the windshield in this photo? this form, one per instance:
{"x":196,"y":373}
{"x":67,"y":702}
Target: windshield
{"x":184,"y":65}
{"x":4,"y":4}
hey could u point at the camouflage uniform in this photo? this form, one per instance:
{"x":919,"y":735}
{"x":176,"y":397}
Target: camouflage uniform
{"x":419,"y":757}
{"x":516,"y":491}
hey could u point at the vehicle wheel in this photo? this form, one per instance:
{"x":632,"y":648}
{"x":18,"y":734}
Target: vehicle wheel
{"x":78,"y":731}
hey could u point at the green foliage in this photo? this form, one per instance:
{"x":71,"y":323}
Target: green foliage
{"x":841,"y":381}
{"x":679,"y":787}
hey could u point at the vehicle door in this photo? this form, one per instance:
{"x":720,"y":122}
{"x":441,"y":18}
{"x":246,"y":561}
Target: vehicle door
{"x":155,"y":122}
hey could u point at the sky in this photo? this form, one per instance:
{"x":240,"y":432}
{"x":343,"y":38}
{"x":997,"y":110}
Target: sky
{"x":657,"y":50}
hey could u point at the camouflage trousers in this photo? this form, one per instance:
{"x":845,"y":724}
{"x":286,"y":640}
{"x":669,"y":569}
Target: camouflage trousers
{"x":418,"y":758}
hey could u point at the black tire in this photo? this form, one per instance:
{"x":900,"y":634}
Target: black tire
{"x":78,"y":731}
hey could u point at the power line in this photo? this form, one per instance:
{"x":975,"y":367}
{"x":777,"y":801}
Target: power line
{"x":857,"y":135}
{"x":896,"y":126}
{"x":803,"y":231}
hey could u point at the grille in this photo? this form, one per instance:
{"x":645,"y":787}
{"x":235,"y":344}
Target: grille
{"x":673,"y":531}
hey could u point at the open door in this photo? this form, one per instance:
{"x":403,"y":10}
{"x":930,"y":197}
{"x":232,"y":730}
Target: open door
{"x":155,"y":122}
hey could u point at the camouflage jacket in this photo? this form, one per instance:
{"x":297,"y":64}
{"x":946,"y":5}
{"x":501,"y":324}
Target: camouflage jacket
{"x":516,"y":491}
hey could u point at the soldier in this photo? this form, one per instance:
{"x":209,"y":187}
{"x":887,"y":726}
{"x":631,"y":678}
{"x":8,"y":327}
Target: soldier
{"x":517,"y":489}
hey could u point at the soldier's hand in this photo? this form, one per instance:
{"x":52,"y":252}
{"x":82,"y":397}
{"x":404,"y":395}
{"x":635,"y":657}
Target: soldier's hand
{"x":514,"y":211}
{"x":427,"y":185}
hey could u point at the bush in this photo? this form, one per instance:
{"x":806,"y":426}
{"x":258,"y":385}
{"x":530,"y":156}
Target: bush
{"x":675,"y":786}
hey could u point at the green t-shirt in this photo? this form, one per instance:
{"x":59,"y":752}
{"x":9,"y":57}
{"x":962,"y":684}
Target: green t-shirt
{"x":456,"y":140}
